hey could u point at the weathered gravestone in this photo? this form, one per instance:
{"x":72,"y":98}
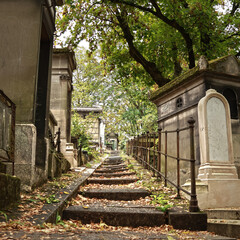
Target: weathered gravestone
{"x":217,"y":171}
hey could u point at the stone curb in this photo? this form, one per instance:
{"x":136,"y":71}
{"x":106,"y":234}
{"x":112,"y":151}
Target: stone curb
{"x":50,"y":211}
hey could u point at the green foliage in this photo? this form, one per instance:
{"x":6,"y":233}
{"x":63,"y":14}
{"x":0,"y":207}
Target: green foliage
{"x":130,"y":166}
{"x":50,"y":199}
{"x":149,"y":41}
{"x":159,"y":200}
{"x":88,"y":165}
{"x":79,"y":131}
{"x":126,"y":108}
{"x":59,"y":220}
{"x":5,"y":215}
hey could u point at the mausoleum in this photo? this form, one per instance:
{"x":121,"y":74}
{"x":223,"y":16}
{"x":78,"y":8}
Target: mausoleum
{"x":63,"y":65}
{"x":179,"y":99}
{"x":26,"y":43}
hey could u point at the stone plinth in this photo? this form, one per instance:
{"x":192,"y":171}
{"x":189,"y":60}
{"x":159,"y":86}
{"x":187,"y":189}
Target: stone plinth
{"x":25,"y":157}
{"x":69,"y":155}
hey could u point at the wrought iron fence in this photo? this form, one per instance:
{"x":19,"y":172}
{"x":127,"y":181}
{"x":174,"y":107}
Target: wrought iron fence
{"x":55,"y":140}
{"x":7,"y":129}
{"x":147,"y":149}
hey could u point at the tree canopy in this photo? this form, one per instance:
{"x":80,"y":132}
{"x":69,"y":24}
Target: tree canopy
{"x":126,"y":108}
{"x":152,"y":41}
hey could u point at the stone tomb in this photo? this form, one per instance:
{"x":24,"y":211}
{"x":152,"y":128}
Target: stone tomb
{"x":63,"y":65}
{"x":26,"y":42}
{"x":220,"y":186}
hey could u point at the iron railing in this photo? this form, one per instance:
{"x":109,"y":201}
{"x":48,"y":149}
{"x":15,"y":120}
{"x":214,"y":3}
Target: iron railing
{"x":7,"y":129}
{"x":55,"y":140}
{"x":145,"y":150}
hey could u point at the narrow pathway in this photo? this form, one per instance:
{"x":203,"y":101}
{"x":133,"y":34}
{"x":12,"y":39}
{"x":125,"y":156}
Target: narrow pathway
{"x":113,"y":204}
{"x":113,"y":182}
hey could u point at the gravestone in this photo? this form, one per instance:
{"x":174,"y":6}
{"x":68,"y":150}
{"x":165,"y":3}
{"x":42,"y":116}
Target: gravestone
{"x":215,"y":138}
{"x":217,"y":171}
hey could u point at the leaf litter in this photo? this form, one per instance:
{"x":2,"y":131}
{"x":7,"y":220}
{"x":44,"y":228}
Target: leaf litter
{"x":32,"y":203}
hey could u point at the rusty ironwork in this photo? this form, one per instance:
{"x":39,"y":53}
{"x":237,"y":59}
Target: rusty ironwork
{"x":7,"y":128}
{"x":55,"y":140}
{"x":145,"y":149}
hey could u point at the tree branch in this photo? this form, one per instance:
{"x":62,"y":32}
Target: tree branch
{"x":234,"y":8}
{"x":150,"y":67}
{"x":171,"y":22}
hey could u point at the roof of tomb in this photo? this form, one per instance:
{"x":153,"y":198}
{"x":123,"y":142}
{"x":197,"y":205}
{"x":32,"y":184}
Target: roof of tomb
{"x":59,"y":2}
{"x":88,"y":109}
{"x":227,"y":65}
{"x":68,"y":52}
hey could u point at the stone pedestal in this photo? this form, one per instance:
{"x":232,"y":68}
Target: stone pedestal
{"x":69,"y":155}
{"x":220,"y":186}
{"x":25,"y":157}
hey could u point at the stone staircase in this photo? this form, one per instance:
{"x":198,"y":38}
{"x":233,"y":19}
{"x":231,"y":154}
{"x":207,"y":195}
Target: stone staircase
{"x":225,"y":222}
{"x":114,"y":173}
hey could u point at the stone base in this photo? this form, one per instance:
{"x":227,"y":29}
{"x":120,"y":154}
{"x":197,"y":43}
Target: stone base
{"x":69,"y":155}
{"x":216,"y":193}
{"x":211,"y":171}
{"x":10,"y":190}
{"x":25,"y":157}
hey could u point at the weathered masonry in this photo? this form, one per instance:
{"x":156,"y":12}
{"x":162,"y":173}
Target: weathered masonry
{"x":26,"y":42}
{"x":178,"y":100}
{"x":63,"y":65}
{"x":95,"y":122}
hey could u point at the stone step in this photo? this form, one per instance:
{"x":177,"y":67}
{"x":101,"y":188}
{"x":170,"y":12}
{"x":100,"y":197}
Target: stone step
{"x":231,"y":214}
{"x":113,"y":174}
{"x":113,"y":162}
{"x":224,"y":227}
{"x":135,"y":215}
{"x":116,"y":194}
{"x":116,"y":216}
{"x":114,"y":158}
{"x":115,"y":166}
{"x":110,"y":181}
{"x":105,"y":170}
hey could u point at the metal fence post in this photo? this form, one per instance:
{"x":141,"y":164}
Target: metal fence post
{"x":154,"y":154}
{"x":178,"y":167}
{"x":165,"y":180}
{"x":159,"y":151}
{"x":193,"y":201}
{"x":147,"y":151}
{"x":58,"y":140}
{"x":137,"y":150}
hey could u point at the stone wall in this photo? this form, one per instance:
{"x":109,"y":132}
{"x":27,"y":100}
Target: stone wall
{"x":10,"y":190}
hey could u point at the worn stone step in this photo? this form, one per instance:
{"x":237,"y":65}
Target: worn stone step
{"x":109,"y":181}
{"x":113,"y":162}
{"x":106,"y":170}
{"x":115,"y":166}
{"x":231,"y":214}
{"x":116,"y":194}
{"x":224,"y":227}
{"x":113,"y":174}
{"x":116,"y":216}
{"x":114,"y":158}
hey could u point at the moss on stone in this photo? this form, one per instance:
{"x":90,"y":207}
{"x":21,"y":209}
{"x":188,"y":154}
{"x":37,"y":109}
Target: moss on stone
{"x":10,"y":190}
{"x":212,"y":66}
{"x":175,"y":82}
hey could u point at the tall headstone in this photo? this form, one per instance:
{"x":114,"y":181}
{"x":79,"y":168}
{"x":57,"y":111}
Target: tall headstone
{"x":215,"y":138}
{"x":217,"y":171}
